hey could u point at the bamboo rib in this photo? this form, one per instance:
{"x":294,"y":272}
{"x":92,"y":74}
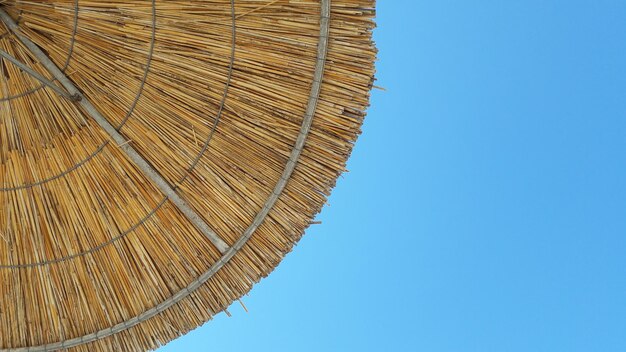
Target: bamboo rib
{"x":75,"y":95}
{"x":220,"y":97}
{"x":37,"y":76}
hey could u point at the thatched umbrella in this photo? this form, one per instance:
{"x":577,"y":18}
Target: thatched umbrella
{"x":158,"y":158}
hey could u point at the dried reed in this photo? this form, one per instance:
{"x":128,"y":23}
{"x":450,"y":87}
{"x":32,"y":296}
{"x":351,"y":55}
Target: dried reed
{"x":214,"y":94}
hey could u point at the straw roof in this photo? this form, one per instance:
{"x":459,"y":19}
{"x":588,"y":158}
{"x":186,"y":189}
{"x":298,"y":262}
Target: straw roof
{"x":158,"y":158}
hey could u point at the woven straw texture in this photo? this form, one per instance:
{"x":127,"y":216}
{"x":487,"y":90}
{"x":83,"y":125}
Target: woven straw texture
{"x":248,"y":109}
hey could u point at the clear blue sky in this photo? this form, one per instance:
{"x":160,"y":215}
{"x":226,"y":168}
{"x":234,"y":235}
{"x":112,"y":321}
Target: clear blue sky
{"x":485,"y":209}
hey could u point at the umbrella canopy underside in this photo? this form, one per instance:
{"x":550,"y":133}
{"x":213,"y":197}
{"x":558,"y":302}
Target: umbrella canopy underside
{"x":246,"y":109}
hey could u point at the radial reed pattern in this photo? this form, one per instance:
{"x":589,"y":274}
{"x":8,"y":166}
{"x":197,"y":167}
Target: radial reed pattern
{"x":158,"y":158}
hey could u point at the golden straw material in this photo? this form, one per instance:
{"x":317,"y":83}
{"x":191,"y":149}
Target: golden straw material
{"x":158,"y":158}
